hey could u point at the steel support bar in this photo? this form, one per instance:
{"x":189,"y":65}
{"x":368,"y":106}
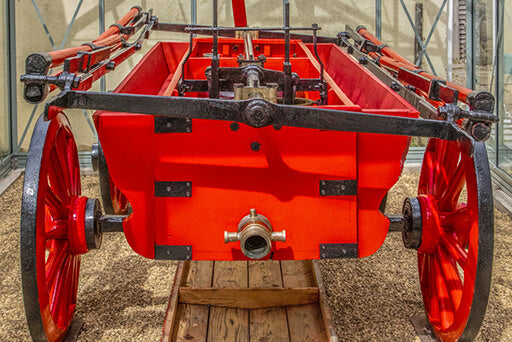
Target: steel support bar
{"x":11,"y":75}
{"x":229,"y":32}
{"x":499,"y":73}
{"x":378,"y":19}
{"x":259,"y":113}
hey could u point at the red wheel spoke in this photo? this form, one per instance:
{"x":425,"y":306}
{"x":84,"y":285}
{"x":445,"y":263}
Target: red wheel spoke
{"x":452,"y":246}
{"x":58,"y":230}
{"x":449,"y":197}
{"x":452,"y":218}
{"x":451,"y":276}
{"x":433,"y":304}
{"x":55,"y":262}
{"x":430,"y":162}
{"x":445,"y":306}
{"x":55,"y":205}
{"x":59,"y":306}
{"x":60,"y":168}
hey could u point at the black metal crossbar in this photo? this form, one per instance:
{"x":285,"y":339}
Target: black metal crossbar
{"x":260,"y":113}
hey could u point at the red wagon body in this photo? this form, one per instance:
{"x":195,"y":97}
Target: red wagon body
{"x":282,"y":179}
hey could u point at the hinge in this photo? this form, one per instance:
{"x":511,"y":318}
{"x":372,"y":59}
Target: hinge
{"x":167,"y":124}
{"x":346,"y":187}
{"x":173,"y":252}
{"x":338,"y":250}
{"x":173,"y":189}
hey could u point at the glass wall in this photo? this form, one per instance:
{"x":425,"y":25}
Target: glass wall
{"x":504,"y":90}
{"x":5,"y":144}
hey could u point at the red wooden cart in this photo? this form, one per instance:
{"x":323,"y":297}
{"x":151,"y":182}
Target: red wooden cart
{"x":256,"y":144}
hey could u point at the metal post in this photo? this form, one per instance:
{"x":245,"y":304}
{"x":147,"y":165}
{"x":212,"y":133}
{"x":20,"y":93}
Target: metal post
{"x":499,"y":71}
{"x":418,"y":22}
{"x":449,"y":39}
{"x":11,"y":76}
{"x":378,"y":19}
{"x":103,"y":80}
{"x":193,"y":12}
{"x":470,"y":51}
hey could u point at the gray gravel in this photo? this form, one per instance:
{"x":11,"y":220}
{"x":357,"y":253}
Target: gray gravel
{"x":123,"y":296}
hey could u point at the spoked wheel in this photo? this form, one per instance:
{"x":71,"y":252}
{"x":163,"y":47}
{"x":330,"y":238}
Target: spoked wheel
{"x":57,"y":226}
{"x":113,"y":200}
{"x":451,"y":224}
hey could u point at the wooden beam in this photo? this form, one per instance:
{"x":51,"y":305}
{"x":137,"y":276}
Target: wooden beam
{"x":248,"y":298}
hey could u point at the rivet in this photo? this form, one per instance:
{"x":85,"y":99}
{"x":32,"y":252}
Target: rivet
{"x":188,"y":193}
{"x":322,"y":192}
{"x":168,"y":124}
{"x":323,"y":182}
{"x":323,"y":255}
{"x":255,"y":146}
{"x":168,"y":189}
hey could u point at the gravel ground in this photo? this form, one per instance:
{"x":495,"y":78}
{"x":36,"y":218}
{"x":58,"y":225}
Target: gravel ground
{"x":123,"y":296}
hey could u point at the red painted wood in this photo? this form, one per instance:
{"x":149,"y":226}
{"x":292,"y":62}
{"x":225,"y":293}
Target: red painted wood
{"x":281,"y":180}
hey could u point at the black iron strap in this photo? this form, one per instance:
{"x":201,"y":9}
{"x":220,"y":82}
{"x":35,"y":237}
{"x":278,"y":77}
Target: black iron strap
{"x":259,"y":113}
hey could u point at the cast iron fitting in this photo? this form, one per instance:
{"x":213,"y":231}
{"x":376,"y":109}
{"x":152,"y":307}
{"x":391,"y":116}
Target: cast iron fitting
{"x":412,"y":229}
{"x":255,"y":235}
{"x":95,"y":157}
{"x":93,"y":234}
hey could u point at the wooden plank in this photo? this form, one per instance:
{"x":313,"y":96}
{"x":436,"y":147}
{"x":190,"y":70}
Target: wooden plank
{"x":324,"y":307}
{"x":305,"y":321}
{"x":248,"y":298}
{"x":270,"y":325}
{"x":192,"y":324}
{"x":193,"y":319}
{"x":297,"y":273}
{"x":200,"y":274}
{"x":265,"y":273}
{"x":171,"y":311}
{"x":229,"y":324}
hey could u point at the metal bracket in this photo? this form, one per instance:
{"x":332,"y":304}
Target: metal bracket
{"x":346,"y":187}
{"x":173,"y":189}
{"x":166,"y":124}
{"x":173,"y":252}
{"x":338,"y":250}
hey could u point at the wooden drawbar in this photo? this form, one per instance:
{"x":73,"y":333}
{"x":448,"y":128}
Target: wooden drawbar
{"x":248,"y":301}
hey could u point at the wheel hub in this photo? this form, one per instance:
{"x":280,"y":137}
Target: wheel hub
{"x":421,"y":227}
{"x":84,"y":233}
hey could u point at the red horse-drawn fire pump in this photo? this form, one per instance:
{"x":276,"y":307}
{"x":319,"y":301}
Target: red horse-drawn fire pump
{"x":255,"y":143}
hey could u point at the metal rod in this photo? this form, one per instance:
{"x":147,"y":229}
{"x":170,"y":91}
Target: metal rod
{"x":103,"y":80}
{"x":44,"y":24}
{"x":193,"y":12}
{"x":499,"y":72}
{"x":449,"y":40}
{"x":11,"y":75}
{"x":470,"y":51}
{"x":378,"y":19}
{"x":71,"y":23}
{"x":287,"y":67}
{"x":214,"y":84}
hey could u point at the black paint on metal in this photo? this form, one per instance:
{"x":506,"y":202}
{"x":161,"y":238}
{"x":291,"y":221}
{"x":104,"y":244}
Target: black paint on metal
{"x":284,"y":115}
{"x":111,"y":223}
{"x":173,"y":189}
{"x":338,"y":250}
{"x":173,"y":252}
{"x":166,"y":124}
{"x":485,"y":243}
{"x":28,"y":231}
{"x":347,"y":187}
{"x":396,"y":223}
{"x":412,"y":223}
{"x":104,"y":180}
